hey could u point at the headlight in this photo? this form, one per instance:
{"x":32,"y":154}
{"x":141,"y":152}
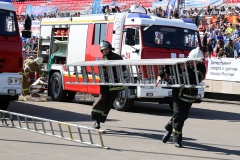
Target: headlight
{"x":14,"y":81}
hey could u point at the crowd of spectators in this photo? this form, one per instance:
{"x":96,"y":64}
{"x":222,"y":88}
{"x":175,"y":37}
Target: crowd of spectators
{"x":30,"y":47}
{"x":221,"y":39}
{"x":193,"y":13}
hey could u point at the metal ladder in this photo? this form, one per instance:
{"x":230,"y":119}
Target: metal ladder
{"x":53,"y":128}
{"x":142,"y":72}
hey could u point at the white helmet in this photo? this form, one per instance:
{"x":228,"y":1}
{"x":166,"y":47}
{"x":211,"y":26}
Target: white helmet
{"x":38,"y":60}
{"x":195,"y":53}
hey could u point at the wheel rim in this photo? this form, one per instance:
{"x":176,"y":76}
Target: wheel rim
{"x":121,"y":99}
{"x":55,"y":87}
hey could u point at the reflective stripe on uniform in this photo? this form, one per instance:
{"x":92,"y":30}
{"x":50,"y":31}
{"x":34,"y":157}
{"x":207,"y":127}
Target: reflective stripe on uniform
{"x":116,"y":88}
{"x":189,"y":96}
{"x":175,"y":131}
{"x":28,"y":67}
{"x":25,"y":89}
{"x":105,"y":115}
{"x":22,"y":73}
{"x":187,"y":100}
{"x":97,"y":111}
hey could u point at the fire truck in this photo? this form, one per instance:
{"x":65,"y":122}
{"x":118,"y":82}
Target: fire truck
{"x":134,"y":35}
{"x":11,"y":60}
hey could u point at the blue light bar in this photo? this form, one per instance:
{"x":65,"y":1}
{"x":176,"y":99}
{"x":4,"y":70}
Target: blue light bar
{"x":138,"y":15}
{"x":9,"y":1}
{"x":187,"y":20}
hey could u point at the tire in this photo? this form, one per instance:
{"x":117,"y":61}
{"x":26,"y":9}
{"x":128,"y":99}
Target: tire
{"x":56,"y":89}
{"x":70,"y":96}
{"x":4,"y":104}
{"x":122,"y":102}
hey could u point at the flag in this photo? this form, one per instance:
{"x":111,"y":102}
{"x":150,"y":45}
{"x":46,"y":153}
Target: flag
{"x":170,"y":7}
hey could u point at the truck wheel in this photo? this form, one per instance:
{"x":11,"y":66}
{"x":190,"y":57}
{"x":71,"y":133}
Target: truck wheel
{"x":56,"y":89}
{"x":122,"y":102}
{"x":4,"y":104}
{"x":70,"y":96}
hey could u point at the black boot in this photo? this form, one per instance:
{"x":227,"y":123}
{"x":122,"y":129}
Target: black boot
{"x":96,"y":125}
{"x":166,"y":136}
{"x":177,"y":139}
{"x":168,"y":133}
{"x":178,"y":144}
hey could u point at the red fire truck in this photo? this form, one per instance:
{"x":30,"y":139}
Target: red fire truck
{"x":76,"y":39}
{"x":11,"y":61}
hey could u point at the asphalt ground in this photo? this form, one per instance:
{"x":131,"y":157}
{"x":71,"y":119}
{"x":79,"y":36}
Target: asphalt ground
{"x":210,"y":133}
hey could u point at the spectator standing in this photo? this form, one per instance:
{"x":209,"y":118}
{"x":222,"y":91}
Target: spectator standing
{"x":214,"y":11}
{"x":208,"y":10}
{"x":220,"y":44}
{"x":236,"y":32}
{"x":236,"y":43}
{"x":229,"y":30}
{"x":229,"y":48}
{"x":222,"y":12}
{"x":209,"y":46}
{"x":221,"y":53}
{"x":195,"y":13}
{"x":189,"y":13}
{"x":182,"y":14}
{"x":229,"y":11}
{"x":236,"y":11}
{"x":202,"y":27}
{"x":204,"y":42}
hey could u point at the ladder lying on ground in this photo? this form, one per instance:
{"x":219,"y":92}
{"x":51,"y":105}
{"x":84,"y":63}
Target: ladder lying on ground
{"x":53,"y":128}
{"x":142,"y":72}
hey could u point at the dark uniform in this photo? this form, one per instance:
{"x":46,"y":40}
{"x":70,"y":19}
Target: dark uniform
{"x":182,"y":101}
{"x":108,"y":94}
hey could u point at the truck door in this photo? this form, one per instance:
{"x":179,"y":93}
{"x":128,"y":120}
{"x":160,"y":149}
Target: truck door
{"x":131,"y":51}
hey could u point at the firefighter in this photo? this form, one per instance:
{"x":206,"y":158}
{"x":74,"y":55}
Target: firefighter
{"x":183,"y":98}
{"x":30,"y":66}
{"x":108,"y":94}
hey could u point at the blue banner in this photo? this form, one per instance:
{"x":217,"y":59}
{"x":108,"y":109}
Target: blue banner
{"x":159,"y":3}
{"x":201,"y":3}
{"x":29,"y":9}
{"x":96,"y":8}
{"x":36,"y":10}
{"x":170,"y":7}
{"x":10,"y":1}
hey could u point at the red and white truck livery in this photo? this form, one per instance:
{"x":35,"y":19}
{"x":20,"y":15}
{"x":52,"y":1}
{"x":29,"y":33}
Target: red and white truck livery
{"x":76,"y":39}
{"x":11,"y":61}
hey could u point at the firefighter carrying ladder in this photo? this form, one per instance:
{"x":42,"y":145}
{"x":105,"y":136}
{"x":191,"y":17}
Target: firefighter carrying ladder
{"x":142,"y":72}
{"x":53,"y":128}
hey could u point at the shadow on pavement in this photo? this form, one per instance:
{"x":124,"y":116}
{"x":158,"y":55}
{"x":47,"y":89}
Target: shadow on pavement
{"x":205,"y":147}
{"x":48,"y":113}
{"x":196,"y":113}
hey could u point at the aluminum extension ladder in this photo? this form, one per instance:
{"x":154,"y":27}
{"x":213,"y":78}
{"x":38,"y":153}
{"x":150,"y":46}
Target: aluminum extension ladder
{"x":142,"y":72}
{"x":53,"y":128}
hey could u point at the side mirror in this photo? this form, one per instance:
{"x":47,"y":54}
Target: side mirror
{"x":130,"y":34}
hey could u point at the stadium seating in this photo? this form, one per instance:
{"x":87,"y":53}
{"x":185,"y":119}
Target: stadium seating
{"x":74,"y":5}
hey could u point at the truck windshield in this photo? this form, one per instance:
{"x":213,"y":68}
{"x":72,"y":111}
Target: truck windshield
{"x":8,"y":23}
{"x":170,"y":37}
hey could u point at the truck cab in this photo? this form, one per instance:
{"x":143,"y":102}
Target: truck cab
{"x":11,"y":60}
{"x":151,"y":37}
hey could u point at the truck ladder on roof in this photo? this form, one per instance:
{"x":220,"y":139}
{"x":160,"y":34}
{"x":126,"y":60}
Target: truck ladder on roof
{"x":142,"y":72}
{"x":53,"y":128}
